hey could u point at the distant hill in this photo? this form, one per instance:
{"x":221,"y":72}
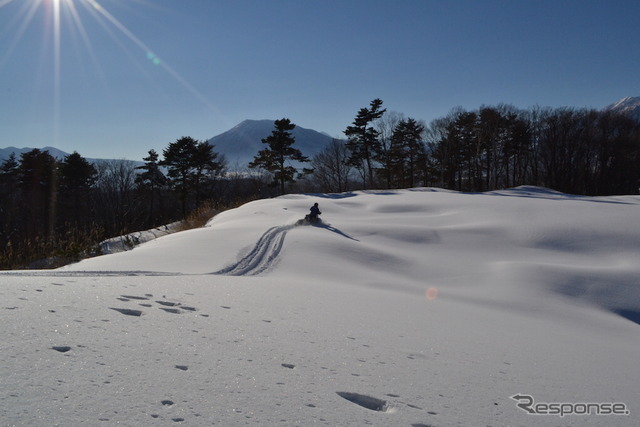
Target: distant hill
{"x":58,"y":154}
{"x":629,"y":106}
{"x":6,"y":152}
{"x":241,"y":143}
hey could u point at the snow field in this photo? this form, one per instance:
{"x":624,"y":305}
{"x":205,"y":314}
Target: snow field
{"x":409,"y":307}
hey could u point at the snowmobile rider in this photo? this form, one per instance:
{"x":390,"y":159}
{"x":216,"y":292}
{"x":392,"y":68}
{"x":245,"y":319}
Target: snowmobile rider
{"x":315,"y":211}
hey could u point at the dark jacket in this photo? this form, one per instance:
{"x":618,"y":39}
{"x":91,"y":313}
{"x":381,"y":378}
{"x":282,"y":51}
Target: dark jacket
{"x":315,"y":211}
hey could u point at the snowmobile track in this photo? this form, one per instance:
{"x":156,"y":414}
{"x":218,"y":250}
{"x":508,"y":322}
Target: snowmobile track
{"x":262,"y":256}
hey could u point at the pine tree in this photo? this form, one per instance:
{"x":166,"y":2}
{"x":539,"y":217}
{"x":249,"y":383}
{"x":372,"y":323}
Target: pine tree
{"x":76,"y":173}
{"x":76,"y":177}
{"x":37,"y":176}
{"x":9,"y":213}
{"x":363,"y":140}
{"x":280,"y":151}
{"x":9,"y":176}
{"x":151,"y":180}
{"x":407,"y":151}
{"x":188,"y":162}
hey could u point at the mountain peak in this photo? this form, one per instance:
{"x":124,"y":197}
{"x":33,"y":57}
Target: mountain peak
{"x":629,"y":105}
{"x":241,"y":143}
{"x":252,"y":122}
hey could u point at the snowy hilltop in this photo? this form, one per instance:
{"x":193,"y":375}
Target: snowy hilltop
{"x":403,"y":307}
{"x":629,"y":106}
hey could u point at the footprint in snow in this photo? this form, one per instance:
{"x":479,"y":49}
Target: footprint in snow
{"x":368,"y":402}
{"x":168,"y":303}
{"x":168,"y":306}
{"x":134,"y":297}
{"x":127,"y":311}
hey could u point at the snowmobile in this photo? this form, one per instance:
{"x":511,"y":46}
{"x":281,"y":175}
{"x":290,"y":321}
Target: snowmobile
{"x":312,"y":219}
{"x":309,"y":220}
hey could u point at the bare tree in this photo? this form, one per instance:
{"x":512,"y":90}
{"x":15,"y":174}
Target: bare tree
{"x":385,"y":126}
{"x":116,"y":181}
{"x":330,"y":167}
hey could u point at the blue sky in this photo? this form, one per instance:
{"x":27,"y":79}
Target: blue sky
{"x":116,"y":78}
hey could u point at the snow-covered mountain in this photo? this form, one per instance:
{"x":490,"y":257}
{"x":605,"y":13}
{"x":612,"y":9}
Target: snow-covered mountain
{"x":404,"y":308}
{"x":241,"y":143}
{"x":629,"y":105}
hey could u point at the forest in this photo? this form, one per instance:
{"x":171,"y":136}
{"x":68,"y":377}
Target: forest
{"x":577,"y":151}
{"x":56,"y":211}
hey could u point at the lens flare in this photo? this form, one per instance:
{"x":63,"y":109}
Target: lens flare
{"x":153,"y":58}
{"x":431,"y":293}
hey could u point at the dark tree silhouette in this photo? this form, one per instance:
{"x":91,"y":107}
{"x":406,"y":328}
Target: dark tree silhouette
{"x":9,"y":217}
{"x":189,"y":161}
{"x":76,"y":177}
{"x":150,"y":181}
{"x":330,"y":169}
{"x":76,"y":173}
{"x":280,"y":152}
{"x":363,"y":140}
{"x":37,"y":178}
{"x":406,"y":153}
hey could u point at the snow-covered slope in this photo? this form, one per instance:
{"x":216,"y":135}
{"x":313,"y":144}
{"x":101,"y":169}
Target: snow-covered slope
{"x":413,"y":307}
{"x":629,"y":105}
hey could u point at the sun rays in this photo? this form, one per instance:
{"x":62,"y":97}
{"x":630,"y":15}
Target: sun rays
{"x":65,"y":15}
{"x":67,"y":24}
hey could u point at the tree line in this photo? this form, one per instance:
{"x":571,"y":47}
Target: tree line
{"x":59,"y":209}
{"x":577,"y":151}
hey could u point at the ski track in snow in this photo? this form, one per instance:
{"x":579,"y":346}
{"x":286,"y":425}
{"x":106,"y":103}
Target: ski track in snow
{"x":263,"y":255}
